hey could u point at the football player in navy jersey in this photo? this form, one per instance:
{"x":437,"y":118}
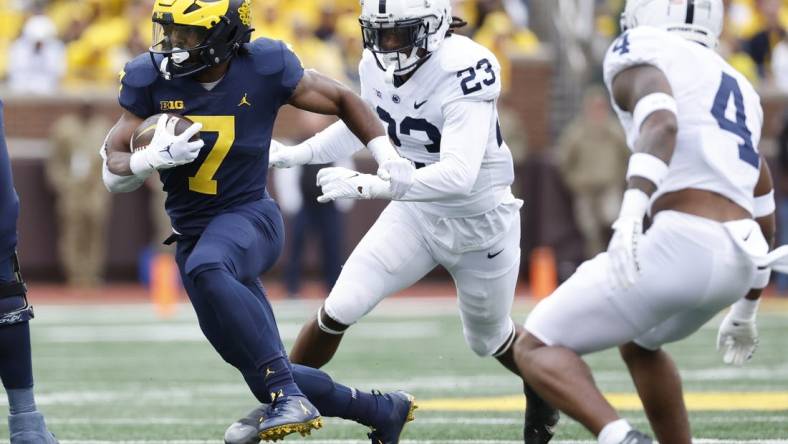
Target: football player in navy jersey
{"x":25,"y":422}
{"x":227,"y":228}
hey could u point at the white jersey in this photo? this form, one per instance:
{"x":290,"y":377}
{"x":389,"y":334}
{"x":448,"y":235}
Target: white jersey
{"x":414,"y":113}
{"x":719,"y":113}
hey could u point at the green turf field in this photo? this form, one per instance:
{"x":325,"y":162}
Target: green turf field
{"x":117,"y":374}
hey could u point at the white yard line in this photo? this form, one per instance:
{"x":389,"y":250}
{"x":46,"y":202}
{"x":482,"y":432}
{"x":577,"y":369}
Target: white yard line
{"x":169,"y":332}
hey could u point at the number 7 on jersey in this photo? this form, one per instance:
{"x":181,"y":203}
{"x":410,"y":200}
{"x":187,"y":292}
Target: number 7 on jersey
{"x":203,"y":182}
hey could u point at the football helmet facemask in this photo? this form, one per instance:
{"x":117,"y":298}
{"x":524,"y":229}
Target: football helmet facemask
{"x":399,"y":33}
{"x":696,"y":20}
{"x":193,"y":35}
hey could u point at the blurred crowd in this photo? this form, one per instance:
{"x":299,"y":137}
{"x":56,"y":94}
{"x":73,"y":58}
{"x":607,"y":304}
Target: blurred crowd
{"x":46,"y":45}
{"x":754,"y":37}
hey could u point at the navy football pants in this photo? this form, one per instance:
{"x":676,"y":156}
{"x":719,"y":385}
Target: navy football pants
{"x":220,"y":271}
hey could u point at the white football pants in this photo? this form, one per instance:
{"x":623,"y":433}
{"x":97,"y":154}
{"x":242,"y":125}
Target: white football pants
{"x":690,"y":270}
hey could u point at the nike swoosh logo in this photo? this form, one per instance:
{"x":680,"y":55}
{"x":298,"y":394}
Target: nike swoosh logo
{"x":418,"y":105}
{"x":490,"y":255}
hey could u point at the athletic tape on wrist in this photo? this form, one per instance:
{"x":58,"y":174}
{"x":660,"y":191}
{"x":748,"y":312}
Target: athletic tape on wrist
{"x":761,"y":278}
{"x":635,"y":203}
{"x":381,"y":149}
{"x":745,"y":308}
{"x":650,"y":104}
{"x":138,"y":164}
{"x":648,"y":167}
{"x":764,"y":205}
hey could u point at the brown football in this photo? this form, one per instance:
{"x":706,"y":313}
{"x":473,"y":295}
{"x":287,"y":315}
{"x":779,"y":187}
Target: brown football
{"x":144,"y":133}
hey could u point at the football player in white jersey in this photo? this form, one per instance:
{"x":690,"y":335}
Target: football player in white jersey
{"x":693,"y":124}
{"x":437,"y":92}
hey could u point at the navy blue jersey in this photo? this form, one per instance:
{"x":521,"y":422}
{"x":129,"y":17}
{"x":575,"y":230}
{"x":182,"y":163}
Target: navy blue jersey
{"x":238,"y":117}
{"x":9,"y":202}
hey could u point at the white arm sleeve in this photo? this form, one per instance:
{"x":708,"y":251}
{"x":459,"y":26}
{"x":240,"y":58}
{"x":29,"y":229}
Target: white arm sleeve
{"x":288,"y":189}
{"x":463,"y":144}
{"x":333,"y":143}
{"x":115,"y":183}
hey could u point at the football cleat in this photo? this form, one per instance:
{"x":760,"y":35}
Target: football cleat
{"x":29,"y":428}
{"x":289,"y":414}
{"x":402,"y":407}
{"x":637,"y":437}
{"x":244,"y":431}
{"x":540,"y":419}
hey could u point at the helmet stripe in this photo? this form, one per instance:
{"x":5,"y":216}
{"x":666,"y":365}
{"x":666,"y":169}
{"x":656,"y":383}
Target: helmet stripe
{"x":690,"y":12}
{"x":382,"y":7}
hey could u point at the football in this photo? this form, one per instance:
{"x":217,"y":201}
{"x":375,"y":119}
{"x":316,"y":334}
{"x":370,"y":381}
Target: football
{"x":144,"y":133}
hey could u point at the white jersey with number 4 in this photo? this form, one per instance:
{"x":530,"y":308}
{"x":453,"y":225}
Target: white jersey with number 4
{"x":460,"y":70}
{"x":719,"y":113}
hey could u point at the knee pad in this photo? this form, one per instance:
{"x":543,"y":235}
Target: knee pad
{"x":12,"y":291}
{"x":492,"y":341}
{"x":348,"y":302}
{"x":199,"y":262}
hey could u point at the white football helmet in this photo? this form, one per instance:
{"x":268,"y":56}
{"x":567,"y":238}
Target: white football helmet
{"x":696,"y":20}
{"x":395,"y":31}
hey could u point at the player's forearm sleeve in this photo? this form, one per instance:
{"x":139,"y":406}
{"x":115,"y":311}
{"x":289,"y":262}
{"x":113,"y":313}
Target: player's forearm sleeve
{"x":333,"y":143}
{"x":115,"y":183}
{"x":463,"y":143}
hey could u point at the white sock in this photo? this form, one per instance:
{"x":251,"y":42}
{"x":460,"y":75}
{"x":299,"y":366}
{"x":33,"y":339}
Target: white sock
{"x":614,"y":432}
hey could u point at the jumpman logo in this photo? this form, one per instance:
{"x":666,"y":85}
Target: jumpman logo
{"x":167,"y":150}
{"x":245,"y":101}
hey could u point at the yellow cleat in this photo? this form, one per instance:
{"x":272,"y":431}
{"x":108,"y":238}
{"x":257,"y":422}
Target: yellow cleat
{"x":289,"y":414}
{"x":280,"y":432}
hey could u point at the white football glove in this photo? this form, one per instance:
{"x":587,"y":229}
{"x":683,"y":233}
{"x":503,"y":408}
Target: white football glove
{"x":622,"y":251}
{"x":737,"y":338}
{"x":283,"y":156}
{"x":167,"y":150}
{"x":399,"y":173}
{"x":623,"y":248}
{"x":391,"y":166}
{"x":343,"y":183}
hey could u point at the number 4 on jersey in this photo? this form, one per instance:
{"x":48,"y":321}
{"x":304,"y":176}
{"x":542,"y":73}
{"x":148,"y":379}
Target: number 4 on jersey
{"x":729,"y":86}
{"x":622,"y":44}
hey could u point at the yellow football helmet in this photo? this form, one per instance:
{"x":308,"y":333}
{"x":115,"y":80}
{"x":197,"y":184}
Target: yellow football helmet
{"x":192,"y":35}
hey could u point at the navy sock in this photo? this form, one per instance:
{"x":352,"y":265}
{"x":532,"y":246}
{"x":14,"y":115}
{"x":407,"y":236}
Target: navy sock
{"x":278,"y":378}
{"x":336,"y":400}
{"x":21,"y":401}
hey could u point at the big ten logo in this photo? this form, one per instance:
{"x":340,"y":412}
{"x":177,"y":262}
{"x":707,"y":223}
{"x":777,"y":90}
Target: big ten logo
{"x":169,"y":105}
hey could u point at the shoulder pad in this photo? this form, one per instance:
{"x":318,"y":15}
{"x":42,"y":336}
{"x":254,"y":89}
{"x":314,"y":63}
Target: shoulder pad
{"x":644,"y":45}
{"x":469,"y":71}
{"x":267,"y":55}
{"x":459,"y":52}
{"x":140,"y":72}
{"x":367,"y":62}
